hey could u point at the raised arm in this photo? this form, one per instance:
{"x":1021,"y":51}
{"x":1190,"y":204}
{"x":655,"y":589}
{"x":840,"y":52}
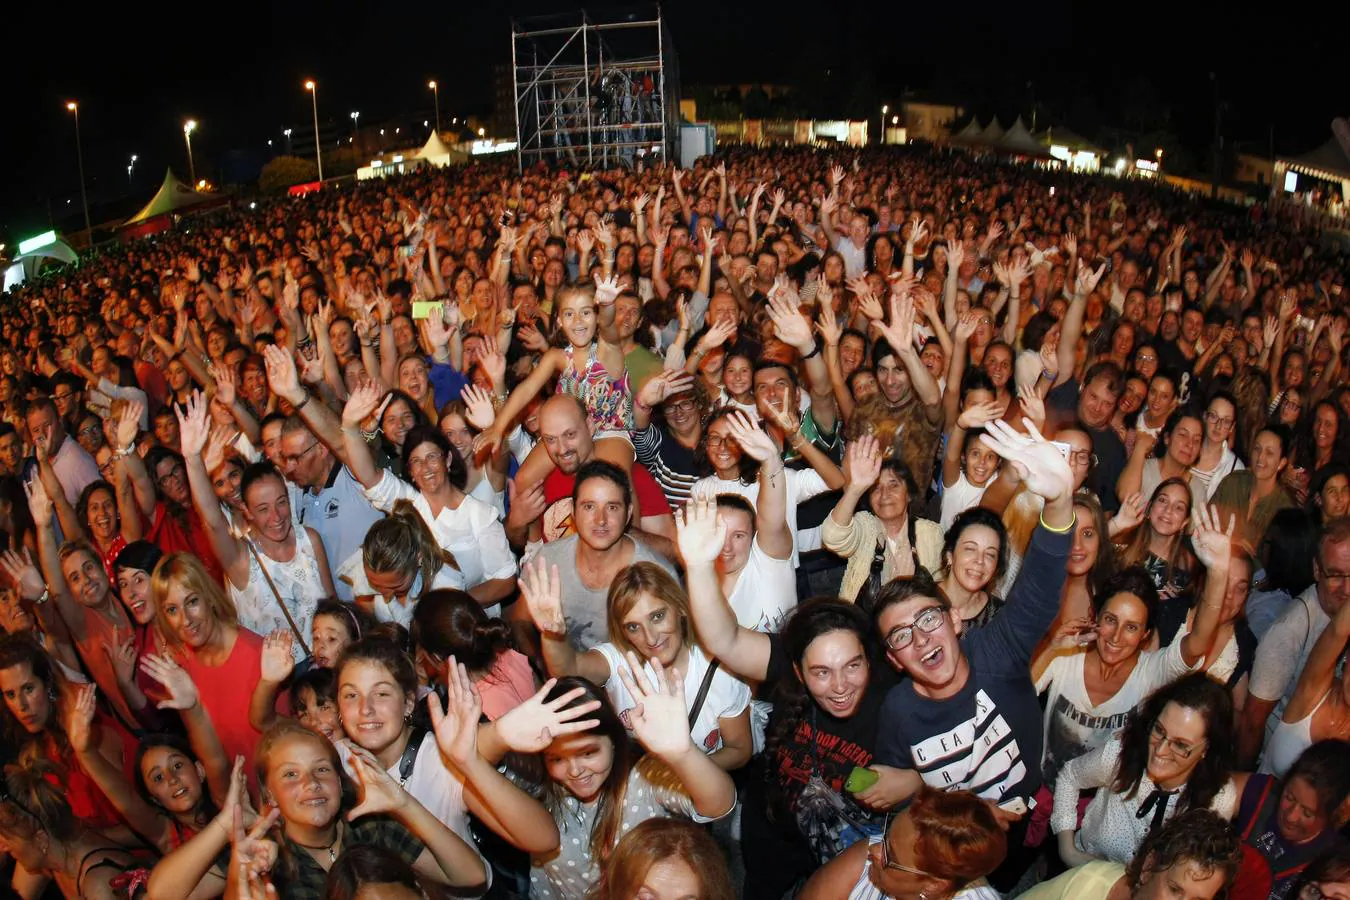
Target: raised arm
{"x":192,"y":428}
{"x":956,"y":365}
{"x":285,"y":382}
{"x":772,"y":533}
{"x":702,"y":533}
{"x":830,"y":334}
{"x":791,"y":327}
{"x":899,"y":334}
{"x":490,"y":796}
{"x":541,"y":589}
{"x":353,"y":450}
{"x":1214,"y":548}
{"x":63,"y":604}
{"x":1132,"y":478}
{"x":1072,"y":329}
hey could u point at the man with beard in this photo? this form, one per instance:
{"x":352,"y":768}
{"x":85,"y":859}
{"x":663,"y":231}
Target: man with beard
{"x":544,"y":512}
{"x":589,"y":560}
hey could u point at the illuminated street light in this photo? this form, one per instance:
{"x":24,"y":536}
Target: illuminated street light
{"x":356,"y":114}
{"x":314,"y":99}
{"x":437,"y":91}
{"x":188,"y":127}
{"x":79,"y":156}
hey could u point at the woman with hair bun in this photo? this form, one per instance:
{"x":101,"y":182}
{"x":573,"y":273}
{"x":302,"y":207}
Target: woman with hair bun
{"x":450,"y":623}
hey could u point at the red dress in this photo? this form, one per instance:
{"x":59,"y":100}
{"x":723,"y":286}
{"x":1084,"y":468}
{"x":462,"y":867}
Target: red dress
{"x":169,"y":535}
{"x":226,"y":691}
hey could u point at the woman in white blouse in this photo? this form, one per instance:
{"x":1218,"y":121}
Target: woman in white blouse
{"x":469,"y":529}
{"x":1176,"y":753}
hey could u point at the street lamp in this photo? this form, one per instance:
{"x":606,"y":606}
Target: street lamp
{"x":318,"y":149}
{"x":437,"y":91}
{"x":79,"y":156}
{"x":131,"y":169}
{"x":884,"y":110}
{"x":188,"y":127}
{"x":355,"y":115}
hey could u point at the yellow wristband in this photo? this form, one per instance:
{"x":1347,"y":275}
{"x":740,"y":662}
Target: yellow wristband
{"x":1065,"y":530}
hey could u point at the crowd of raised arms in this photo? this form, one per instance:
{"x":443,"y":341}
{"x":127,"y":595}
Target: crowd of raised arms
{"x":886,"y":524}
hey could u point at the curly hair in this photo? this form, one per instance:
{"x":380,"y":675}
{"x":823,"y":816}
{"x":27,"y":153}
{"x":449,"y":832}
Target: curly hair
{"x":1206,"y":696}
{"x":970,"y":518}
{"x":1196,"y":835}
{"x":792,"y":702}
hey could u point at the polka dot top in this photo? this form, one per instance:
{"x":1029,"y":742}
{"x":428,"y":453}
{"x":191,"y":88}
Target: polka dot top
{"x":569,"y":873}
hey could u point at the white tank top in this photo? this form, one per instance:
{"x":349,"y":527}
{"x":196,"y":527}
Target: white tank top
{"x":1288,"y":741}
{"x":298,"y":583}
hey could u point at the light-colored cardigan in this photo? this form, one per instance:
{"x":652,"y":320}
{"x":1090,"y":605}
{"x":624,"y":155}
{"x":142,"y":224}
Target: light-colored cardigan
{"x":859,"y":539}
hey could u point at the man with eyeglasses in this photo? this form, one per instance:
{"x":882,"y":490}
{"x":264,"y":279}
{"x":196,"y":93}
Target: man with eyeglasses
{"x":1285,"y":648}
{"x":68,"y":395}
{"x":667,"y":448}
{"x":967,"y":718}
{"x":332,"y":502}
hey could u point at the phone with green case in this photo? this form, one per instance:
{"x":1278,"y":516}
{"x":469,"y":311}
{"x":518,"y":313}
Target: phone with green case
{"x":860,"y":779}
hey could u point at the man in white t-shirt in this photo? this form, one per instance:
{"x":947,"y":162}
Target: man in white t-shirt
{"x":1283,"y":652}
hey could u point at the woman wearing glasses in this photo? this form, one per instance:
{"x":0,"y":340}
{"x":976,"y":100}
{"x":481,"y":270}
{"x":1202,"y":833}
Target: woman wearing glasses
{"x":939,"y":848}
{"x":1175,"y":754}
{"x":1217,"y":458}
{"x":1328,"y":878}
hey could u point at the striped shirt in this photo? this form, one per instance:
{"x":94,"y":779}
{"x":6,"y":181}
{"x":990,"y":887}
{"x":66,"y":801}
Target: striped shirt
{"x":670,"y":462}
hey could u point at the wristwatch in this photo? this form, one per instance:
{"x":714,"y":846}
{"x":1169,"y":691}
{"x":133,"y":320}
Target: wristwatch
{"x":46,"y":595}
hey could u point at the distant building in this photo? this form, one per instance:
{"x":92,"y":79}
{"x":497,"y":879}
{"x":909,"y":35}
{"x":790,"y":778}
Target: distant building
{"x":926,"y":120}
{"x":1253,"y":168}
{"x":502,"y":122}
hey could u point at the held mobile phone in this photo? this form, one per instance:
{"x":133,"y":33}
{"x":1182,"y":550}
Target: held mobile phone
{"x":422,"y":309}
{"x":1062,"y":447}
{"x":860,"y":779}
{"x":1017,"y":806}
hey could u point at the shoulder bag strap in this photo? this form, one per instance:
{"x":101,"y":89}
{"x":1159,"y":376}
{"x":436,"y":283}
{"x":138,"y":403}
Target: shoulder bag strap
{"x":295,"y":629}
{"x":703,"y":692}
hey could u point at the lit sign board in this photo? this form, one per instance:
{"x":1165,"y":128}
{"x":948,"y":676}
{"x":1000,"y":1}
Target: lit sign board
{"x":41,"y":240}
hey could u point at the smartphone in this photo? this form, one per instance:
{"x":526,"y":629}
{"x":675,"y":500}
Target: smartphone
{"x":860,"y":779}
{"x":1017,"y":806}
{"x":1063,"y":448}
{"x":404,"y":251}
{"x":423,"y":309}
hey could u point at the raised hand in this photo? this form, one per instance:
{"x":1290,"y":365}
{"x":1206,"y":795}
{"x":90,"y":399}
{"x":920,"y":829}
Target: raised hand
{"x":541,"y":588}
{"x":660,"y":718}
{"x":1212,"y":546}
{"x":956,"y":254}
{"x":440,"y":331}
{"x":182,"y":690}
{"x":281,"y":374}
{"x":755,"y":441}
{"x":79,"y":719}
{"x":1130,"y":514}
{"x":277,"y":659}
{"x":716,"y":335}
{"x":1088,"y":278}
{"x":531,"y":726}
{"x":1039,"y":463}
{"x":23,"y":572}
{"x":1050,"y":358}
{"x":828,"y":326}
{"x":226,"y":390}
{"x":585,"y":241}
{"x":194,"y":425}
{"x":1074,"y":634}
{"x":456,"y":727}
{"x":607,"y":290}
{"x":478,"y":410}
{"x":1033,"y":406}
{"x":977,"y":415}
{"x":661,"y":387}
{"x":121,"y":653}
{"x":789,"y":325}
{"x":862,"y":463}
{"x":39,"y":504}
{"x":361,"y":405}
{"x":836,"y":174}
{"x":700,"y":531}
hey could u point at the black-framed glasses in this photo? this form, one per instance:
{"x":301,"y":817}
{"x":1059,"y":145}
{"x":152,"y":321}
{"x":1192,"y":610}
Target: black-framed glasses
{"x":1158,"y":735}
{"x":927,"y":621}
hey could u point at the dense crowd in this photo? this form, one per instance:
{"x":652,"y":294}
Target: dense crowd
{"x":893,"y":524}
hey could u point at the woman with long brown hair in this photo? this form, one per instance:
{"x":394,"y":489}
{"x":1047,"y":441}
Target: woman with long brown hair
{"x":669,"y":856}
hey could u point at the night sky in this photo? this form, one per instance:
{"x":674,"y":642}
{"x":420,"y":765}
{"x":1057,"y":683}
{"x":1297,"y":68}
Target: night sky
{"x":140,"y":70}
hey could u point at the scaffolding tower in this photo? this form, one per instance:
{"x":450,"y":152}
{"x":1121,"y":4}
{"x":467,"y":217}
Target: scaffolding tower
{"x":597,"y":89}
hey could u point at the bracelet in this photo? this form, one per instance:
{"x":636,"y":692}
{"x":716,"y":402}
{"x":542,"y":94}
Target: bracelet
{"x":1065,"y":530}
{"x":815,"y":351}
{"x":46,"y":595}
{"x":301,"y":405}
{"x":1048,"y":375}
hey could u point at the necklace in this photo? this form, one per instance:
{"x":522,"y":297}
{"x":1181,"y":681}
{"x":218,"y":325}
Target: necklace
{"x":331,"y":848}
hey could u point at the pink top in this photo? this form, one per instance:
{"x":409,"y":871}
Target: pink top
{"x":608,"y":401}
{"x":510,"y":683}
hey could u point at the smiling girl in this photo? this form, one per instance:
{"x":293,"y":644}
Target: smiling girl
{"x":649,"y":616}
